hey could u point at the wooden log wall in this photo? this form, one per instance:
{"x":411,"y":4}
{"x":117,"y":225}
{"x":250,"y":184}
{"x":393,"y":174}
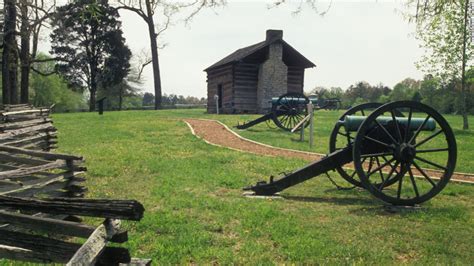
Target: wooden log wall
{"x":220,"y":76}
{"x":295,"y":79}
{"x":245,"y":87}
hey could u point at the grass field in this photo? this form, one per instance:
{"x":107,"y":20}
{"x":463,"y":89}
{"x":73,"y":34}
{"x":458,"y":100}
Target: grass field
{"x":195,"y":212}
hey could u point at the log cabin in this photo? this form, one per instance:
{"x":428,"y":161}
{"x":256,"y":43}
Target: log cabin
{"x":247,"y":79}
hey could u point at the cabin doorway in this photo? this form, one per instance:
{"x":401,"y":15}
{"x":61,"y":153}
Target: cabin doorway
{"x":219,"y":93}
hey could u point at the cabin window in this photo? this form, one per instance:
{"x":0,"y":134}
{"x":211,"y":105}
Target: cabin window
{"x":219,"y":93}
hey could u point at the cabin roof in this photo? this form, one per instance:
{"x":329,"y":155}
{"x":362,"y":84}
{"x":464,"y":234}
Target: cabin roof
{"x":242,"y":53}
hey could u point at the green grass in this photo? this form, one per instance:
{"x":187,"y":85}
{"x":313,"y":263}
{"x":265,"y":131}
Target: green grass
{"x":195,"y":212}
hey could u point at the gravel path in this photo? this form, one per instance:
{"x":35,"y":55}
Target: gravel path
{"x":216,"y":133}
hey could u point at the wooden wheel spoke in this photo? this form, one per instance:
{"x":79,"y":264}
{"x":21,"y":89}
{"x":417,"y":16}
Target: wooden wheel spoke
{"x":381,"y":186}
{"x":377,"y":154}
{"x":399,"y":133}
{"x":431,"y":163}
{"x":378,"y":141}
{"x":413,"y":138}
{"x":283,"y":120}
{"x":432,"y":150}
{"x":342,"y":134}
{"x":380,"y":167}
{"x":386,"y":131}
{"x":400,"y":181}
{"x":385,"y":159}
{"x":353,"y":174}
{"x":424,"y":174}
{"x":292,"y":121}
{"x":413,"y":182}
{"x":380,"y":170}
{"x":429,"y":138}
{"x":407,"y":129}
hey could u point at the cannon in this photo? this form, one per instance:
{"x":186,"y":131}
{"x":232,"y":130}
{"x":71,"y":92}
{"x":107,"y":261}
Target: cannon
{"x":287,"y":111}
{"x":403,"y":153}
{"x":325,"y":103}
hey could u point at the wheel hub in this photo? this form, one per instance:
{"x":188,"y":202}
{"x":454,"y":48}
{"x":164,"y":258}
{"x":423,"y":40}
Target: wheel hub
{"x":405,"y":153}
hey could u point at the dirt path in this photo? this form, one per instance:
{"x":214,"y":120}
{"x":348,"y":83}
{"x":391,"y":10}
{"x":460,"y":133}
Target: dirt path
{"x":216,"y":133}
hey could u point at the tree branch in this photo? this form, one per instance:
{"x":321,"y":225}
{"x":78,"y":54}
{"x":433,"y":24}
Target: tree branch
{"x":136,"y":10}
{"x":43,"y":74}
{"x":49,"y":60}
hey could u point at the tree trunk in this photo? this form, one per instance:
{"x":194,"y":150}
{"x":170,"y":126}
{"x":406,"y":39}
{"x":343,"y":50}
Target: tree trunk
{"x":24,"y":54}
{"x":463,"y":70}
{"x":92,"y":99}
{"x":14,"y":75}
{"x":9,"y":57}
{"x":93,"y":89}
{"x":154,"y":55}
{"x":120,"y":97}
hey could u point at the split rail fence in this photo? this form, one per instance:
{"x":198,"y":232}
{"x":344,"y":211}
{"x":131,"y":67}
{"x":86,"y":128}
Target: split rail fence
{"x":41,"y":199}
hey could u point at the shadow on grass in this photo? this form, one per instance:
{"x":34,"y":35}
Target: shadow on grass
{"x":297,"y":140}
{"x":338,"y":201}
{"x":422,"y":212}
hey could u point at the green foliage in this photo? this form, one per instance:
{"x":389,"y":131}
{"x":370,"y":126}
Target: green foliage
{"x":148,"y":99}
{"x":53,"y":89}
{"x":444,"y":97}
{"x":173,"y":99}
{"x":87,"y":37}
{"x":404,"y":90}
{"x":361,"y":92}
{"x":445,"y":33}
{"x":441,"y":35}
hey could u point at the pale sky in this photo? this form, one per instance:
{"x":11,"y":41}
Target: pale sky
{"x":355,"y":41}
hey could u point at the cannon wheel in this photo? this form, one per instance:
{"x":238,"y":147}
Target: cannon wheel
{"x":340,"y":138}
{"x":289,"y":110}
{"x":408,"y":153}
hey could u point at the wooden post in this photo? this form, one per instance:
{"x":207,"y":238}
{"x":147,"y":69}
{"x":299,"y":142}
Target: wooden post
{"x":216,"y":97}
{"x":311,"y":124}
{"x":101,"y":105}
{"x":302,"y":133}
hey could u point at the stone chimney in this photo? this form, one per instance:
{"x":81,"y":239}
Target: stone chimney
{"x":274,"y":35}
{"x":272,"y":76}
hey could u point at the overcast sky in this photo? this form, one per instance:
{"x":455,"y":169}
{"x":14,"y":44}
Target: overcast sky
{"x":354,"y":41}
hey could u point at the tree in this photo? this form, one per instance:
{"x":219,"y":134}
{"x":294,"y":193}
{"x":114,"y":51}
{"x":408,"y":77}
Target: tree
{"x":148,"y":99}
{"x":33,"y":14}
{"x":52,"y":89}
{"x":10,"y":55}
{"x":428,"y":89}
{"x":443,"y":28}
{"x":87,"y":39}
{"x":147,"y":9}
{"x":405,"y":90}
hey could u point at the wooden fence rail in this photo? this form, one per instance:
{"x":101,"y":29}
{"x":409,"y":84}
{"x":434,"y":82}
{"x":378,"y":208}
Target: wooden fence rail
{"x":39,"y":188}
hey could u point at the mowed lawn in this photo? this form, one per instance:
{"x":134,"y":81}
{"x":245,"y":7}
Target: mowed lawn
{"x":195,"y":212}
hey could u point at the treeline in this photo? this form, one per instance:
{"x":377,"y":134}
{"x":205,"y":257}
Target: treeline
{"x":172,"y":100}
{"x":46,"y":90}
{"x":431,"y":91}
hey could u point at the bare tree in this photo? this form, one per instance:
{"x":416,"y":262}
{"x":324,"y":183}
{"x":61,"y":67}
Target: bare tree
{"x":149,"y":10}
